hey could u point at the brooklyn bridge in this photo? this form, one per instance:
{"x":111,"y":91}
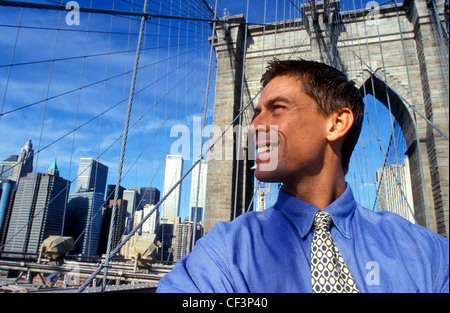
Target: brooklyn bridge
{"x":124,"y":125}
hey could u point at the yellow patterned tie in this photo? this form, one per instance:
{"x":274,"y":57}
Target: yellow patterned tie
{"x":328,"y":270}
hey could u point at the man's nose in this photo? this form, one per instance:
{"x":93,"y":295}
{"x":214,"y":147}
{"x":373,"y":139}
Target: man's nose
{"x":258,"y":130}
{"x":257,"y":120}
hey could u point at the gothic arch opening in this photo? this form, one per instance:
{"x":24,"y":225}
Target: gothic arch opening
{"x":389,"y":97}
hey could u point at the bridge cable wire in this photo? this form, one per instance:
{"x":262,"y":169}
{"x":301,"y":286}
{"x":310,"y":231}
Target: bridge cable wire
{"x":131,"y":166}
{"x":88,"y":85}
{"x":205,"y":110}
{"x":10,"y":68}
{"x":132,"y":232}
{"x":110,"y":146}
{"x":75,"y":129}
{"x":379,"y":141}
{"x":32,"y":5}
{"x":124,"y":142}
{"x":241,"y":98}
{"x":203,"y":154}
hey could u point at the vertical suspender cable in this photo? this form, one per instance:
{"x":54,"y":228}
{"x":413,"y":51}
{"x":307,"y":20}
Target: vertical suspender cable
{"x":83,"y":63}
{"x":124,"y":143}
{"x":205,"y":109}
{"x":365,"y":108}
{"x":238,"y":147}
{"x":11,"y":62}
{"x":48,"y":90}
{"x":262,"y":72}
{"x":387,"y":97}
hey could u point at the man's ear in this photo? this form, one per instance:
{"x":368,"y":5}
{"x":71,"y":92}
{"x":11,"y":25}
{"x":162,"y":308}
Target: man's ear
{"x":339,"y":124}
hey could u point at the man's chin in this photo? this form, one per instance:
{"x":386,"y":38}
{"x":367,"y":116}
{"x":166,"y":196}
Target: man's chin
{"x":266,"y":176}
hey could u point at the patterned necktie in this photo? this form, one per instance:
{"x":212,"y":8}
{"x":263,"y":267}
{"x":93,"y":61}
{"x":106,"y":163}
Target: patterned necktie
{"x":328,"y":270}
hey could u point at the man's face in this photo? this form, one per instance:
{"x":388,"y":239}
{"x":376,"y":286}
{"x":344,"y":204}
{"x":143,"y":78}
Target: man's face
{"x":300,"y":131}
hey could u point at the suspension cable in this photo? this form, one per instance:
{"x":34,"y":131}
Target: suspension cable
{"x":124,"y":143}
{"x":33,"y":5}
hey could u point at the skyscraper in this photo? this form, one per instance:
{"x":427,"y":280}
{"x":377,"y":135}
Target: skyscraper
{"x":6,"y":166}
{"x":92,"y":176}
{"x":137,"y":199}
{"x":148,"y":195}
{"x":395,"y":191}
{"x":11,"y":171}
{"x":119,"y":220}
{"x":84,"y":221}
{"x":111,"y":192}
{"x":8,"y":190}
{"x":198,"y":195}
{"x":181,"y":244}
{"x":132,"y":199}
{"x":174,"y":168}
{"x":151,"y":224}
{"x":84,"y":208}
{"x":17,"y":166}
{"x":38,"y":210}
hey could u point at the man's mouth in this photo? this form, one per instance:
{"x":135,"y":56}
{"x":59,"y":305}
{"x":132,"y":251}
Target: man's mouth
{"x":265,"y":148}
{"x":265,"y":151}
{"x":267,"y":157}
{"x":267,"y":142}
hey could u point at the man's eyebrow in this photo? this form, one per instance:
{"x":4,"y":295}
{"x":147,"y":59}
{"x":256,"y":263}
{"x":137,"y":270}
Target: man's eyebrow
{"x":271,"y":102}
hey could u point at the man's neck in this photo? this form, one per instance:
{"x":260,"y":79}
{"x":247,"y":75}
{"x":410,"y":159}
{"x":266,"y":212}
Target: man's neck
{"x":320,"y":192}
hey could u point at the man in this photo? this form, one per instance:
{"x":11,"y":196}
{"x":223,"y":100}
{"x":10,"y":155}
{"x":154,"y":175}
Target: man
{"x":316,"y":238}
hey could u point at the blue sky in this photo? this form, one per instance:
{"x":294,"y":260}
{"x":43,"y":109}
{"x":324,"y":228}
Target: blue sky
{"x":91,"y":74}
{"x":170,"y":88}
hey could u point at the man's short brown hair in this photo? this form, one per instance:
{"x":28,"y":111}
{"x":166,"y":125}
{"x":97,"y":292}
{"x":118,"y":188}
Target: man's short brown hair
{"x":331,"y":90}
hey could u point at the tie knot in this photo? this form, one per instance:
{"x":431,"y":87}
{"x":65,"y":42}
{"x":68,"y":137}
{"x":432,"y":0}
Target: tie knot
{"x":322,"y":220}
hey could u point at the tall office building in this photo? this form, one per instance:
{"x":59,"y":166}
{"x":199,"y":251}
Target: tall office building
{"x":167,"y":233}
{"x":8,"y":190}
{"x":132,"y":199}
{"x":395,"y":191}
{"x":151,"y":224}
{"x":119,"y":225}
{"x":119,"y":221}
{"x":174,"y":169}
{"x":181,"y":243}
{"x":6,"y":166}
{"x":17,"y":166}
{"x":11,"y":171}
{"x":111,"y":192}
{"x":182,"y":239}
{"x":84,"y":209}
{"x":38,"y":210}
{"x":198,"y":191}
{"x":84,"y":221}
{"x":92,"y":176}
{"x":148,"y":195}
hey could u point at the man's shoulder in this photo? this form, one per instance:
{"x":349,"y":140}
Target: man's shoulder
{"x":250,"y":221}
{"x":241,"y":232}
{"x":394,"y":225}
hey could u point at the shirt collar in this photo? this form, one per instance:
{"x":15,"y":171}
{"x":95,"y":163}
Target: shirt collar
{"x":302,"y":213}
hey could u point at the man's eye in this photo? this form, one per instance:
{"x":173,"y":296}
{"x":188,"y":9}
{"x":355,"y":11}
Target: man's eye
{"x":277,"y":108}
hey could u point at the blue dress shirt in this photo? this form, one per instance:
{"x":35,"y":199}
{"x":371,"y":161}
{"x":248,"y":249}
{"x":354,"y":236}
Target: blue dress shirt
{"x":269,"y":252}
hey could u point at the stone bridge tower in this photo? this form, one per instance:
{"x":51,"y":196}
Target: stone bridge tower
{"x":397,"y":54}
